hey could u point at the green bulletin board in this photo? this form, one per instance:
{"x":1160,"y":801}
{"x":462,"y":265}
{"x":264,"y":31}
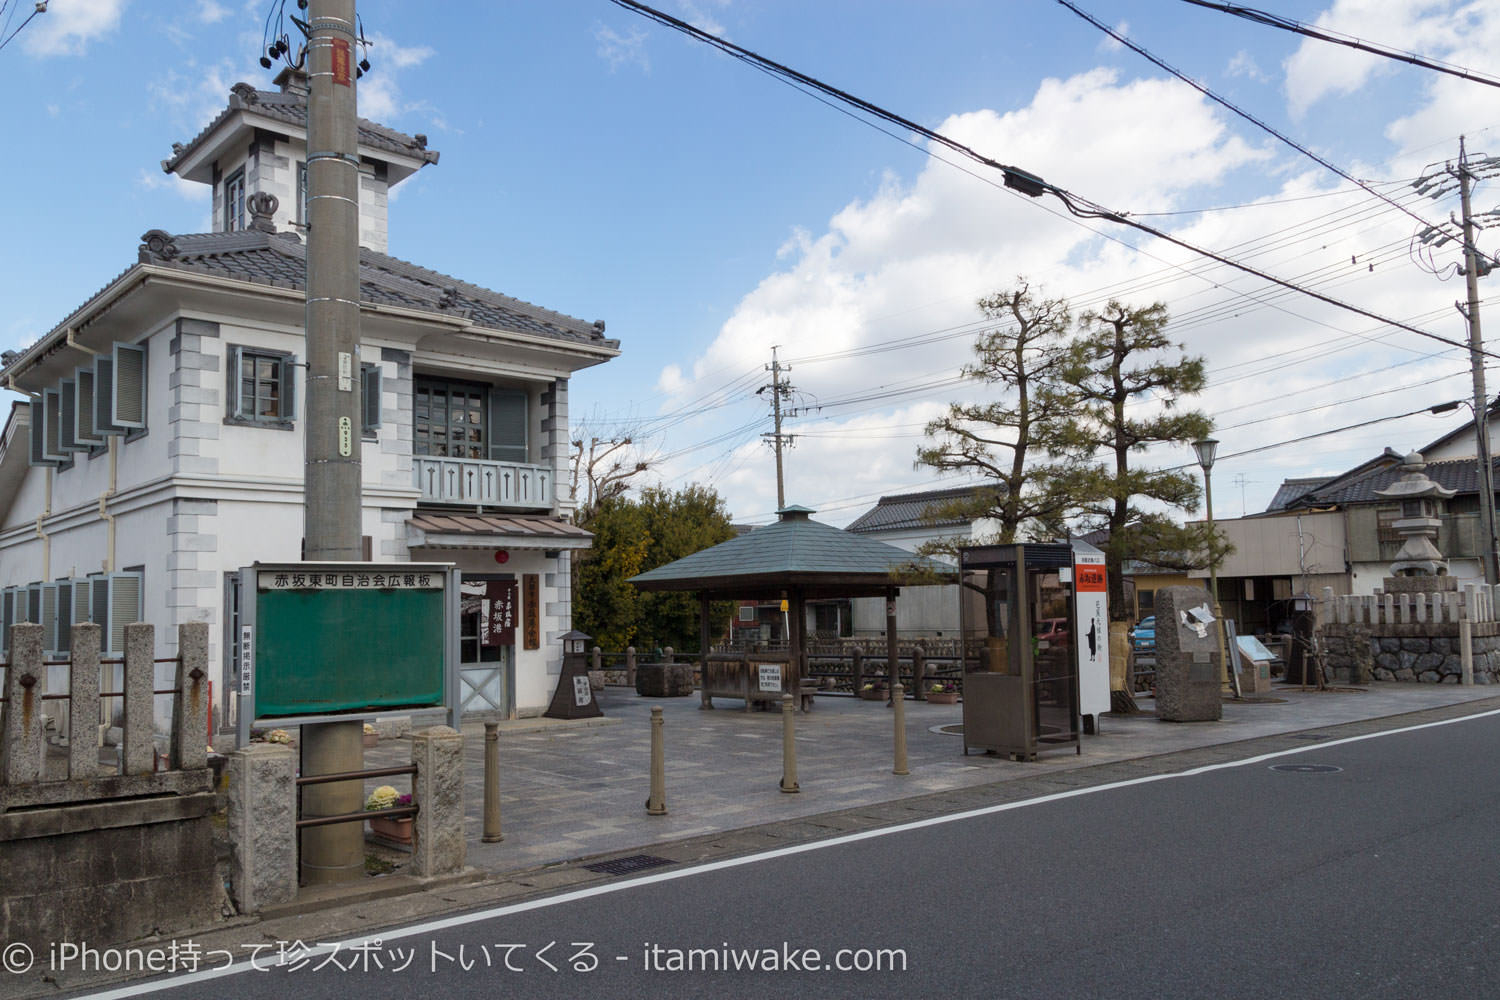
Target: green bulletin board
{"x":348,"y":642}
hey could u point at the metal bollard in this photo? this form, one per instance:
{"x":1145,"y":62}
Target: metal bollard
{"x":656,"y":805}
{"x":788,"y":746}
{"x":492,"y":834}
{"x":898,"y":697}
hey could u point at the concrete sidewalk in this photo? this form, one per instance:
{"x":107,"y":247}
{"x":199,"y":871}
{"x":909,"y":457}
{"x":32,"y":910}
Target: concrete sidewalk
{"x":571,"y":790}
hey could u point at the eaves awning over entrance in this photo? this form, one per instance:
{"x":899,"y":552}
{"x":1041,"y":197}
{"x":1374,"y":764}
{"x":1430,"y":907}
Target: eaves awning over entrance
{"x":429,"y":529}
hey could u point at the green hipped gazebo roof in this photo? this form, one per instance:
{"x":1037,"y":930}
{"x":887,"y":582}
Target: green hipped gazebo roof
{"x":796,"y":552}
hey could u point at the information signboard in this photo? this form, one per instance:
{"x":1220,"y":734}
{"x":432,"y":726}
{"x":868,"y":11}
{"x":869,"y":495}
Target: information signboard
{"x":321,"y":639}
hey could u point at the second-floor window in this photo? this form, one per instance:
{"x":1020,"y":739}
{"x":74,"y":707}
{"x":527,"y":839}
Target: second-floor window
{"x":234,"y":201}
{"x":454,"y":419}
{"x":260,"y":386}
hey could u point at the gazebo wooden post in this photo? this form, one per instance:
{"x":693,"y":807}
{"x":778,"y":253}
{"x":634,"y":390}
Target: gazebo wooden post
{"x":703,"y":643}
{"x":892,"y":664}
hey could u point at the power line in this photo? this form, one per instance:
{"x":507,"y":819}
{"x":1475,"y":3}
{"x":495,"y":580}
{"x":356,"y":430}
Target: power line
{"x":1338,"y":38}
{"x":1014,"y":177}
{"x":40,"y":8}
{"x":1206,"y":92}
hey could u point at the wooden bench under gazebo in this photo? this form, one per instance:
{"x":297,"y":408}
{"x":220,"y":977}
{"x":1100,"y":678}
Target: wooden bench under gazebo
{"x":797,"y":560}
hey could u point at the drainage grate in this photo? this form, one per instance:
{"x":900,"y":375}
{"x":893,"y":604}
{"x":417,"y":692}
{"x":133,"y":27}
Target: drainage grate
{"x":628,"y":865}
{"x":1306,"y":768}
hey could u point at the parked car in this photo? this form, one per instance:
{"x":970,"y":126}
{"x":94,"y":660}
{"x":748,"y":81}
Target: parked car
{"x":1143,"y":636}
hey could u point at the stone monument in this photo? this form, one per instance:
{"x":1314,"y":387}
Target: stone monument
{"x":1188,"y":671}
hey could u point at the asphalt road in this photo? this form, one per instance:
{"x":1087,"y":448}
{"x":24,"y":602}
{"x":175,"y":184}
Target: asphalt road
{"x":1375,"y":880}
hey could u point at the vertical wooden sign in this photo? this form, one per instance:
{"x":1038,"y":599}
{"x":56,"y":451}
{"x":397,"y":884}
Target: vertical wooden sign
{"x":531,"y":610}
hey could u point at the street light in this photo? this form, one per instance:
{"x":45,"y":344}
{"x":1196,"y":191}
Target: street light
{"x":1206,"y":450}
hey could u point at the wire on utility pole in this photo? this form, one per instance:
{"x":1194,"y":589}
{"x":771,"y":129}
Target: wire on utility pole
{"x":779,"y":390}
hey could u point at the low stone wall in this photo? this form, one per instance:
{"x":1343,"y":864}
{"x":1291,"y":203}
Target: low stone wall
{"x":1427,"y":654}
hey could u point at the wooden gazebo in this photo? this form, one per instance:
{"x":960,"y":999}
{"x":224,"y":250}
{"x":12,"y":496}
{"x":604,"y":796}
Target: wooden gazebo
{"x":797,"y":560}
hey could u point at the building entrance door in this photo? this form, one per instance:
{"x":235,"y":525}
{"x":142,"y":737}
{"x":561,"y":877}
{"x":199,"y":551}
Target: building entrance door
{"x":486,"y":645}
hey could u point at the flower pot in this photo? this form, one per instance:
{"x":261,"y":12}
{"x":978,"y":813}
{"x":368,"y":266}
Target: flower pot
{"x":397,"y":830}
{"x":875,"y":694}
{"x":942,"y":697}
{"x":371,"y":739}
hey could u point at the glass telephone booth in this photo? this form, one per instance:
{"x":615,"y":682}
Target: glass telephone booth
{"x":1021,"y":693}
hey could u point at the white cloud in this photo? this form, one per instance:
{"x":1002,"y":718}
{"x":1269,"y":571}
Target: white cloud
{"x":1111,"y":44}
{"x":910,"y":257}
{"x":1321,"y":69}
{"x":156,"y":180}
{"x":211,"y":12}
{"x":622,"y":50}
{"x":67,"y":26}
{"x":1244,"y":64}
{"x":698,"y":15}
{"x":380,"y":96}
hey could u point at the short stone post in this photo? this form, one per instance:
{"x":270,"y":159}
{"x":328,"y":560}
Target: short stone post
{"x":438,"y":793}
{"x":597,"y":661}
{"x":857,"y":669}
{"x":83,"y":702}
{"x":789,"y":745}
{"x":918,"y":673}
{"x":492,"y":834}
{"x":668,"y":655}
{"x":140,"y":681}
{"x":262,"y":826}
{"x":1466,"y":651}
{"x":656,"y":800}
{"x":190,"y":707}
{"x":898,"y":695}
{"x":21,"y":741}
{"x":630,"y":665}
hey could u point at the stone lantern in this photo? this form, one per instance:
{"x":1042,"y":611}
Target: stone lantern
{"x":574,"y":698}
{"x":1418,"y":523}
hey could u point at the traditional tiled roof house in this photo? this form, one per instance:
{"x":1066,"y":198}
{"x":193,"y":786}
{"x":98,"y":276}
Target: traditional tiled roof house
{"x":161,"y":449}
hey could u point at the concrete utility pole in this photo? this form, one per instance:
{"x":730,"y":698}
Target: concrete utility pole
{"x":778,"y":390}
{"x":1476,"y":360}
{"x":331,"y":425}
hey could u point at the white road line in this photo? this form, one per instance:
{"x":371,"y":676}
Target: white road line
{"x":433,"y":926}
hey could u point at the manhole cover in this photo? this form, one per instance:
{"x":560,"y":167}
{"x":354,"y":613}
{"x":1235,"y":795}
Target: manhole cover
{"x":628,"y":865}
{"x":1306,"y":768}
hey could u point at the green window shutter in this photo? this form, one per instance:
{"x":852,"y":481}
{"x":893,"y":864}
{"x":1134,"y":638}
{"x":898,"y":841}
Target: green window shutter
{"x":104,"y":396}
{"x":130,"y":387}
{"x":67,"y":416}
{"x":83,"y":416}
{"x":36,"y":418}
{"x":369,"y":387}
{"x":286,"y":374}
{"x":232,"y":376}
{"x":508,"y":425}
{"x":51,"y":419}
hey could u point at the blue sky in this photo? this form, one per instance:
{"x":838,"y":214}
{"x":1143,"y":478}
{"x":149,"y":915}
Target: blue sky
{"x":600,"y":165}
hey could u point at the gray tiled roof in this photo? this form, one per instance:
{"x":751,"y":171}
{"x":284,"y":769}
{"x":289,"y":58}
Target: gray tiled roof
{"x":793,"y":546}
{"x":1292,"y":490}
{"x":910,"y":510}
{"x":1461,"y":475}
{"x":280,"y":259}
{"x":290,"y":108}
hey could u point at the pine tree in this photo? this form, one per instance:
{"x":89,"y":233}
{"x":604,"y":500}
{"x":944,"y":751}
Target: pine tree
{"x":1127,"y":389}
{"x":1010,"y":442}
